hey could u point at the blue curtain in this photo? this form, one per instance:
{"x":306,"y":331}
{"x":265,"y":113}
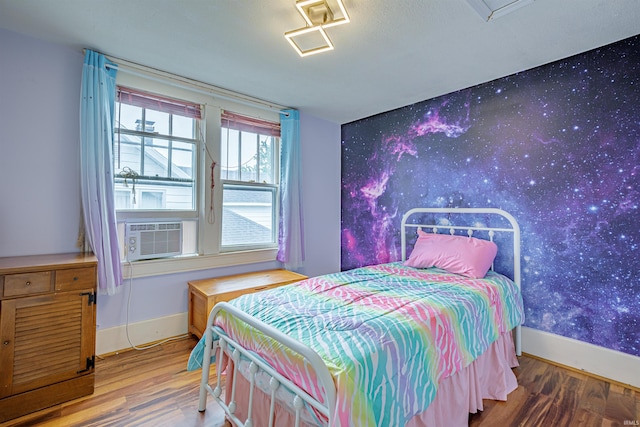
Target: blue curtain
{"x":291,"y":234}
{"x":96,"y":168}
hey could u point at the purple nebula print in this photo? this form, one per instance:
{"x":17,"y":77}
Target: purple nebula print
{"x":558,"y":147}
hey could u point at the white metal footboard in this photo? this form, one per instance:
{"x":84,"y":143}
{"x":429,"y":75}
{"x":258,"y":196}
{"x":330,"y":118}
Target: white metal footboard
{"x":256,"y":365}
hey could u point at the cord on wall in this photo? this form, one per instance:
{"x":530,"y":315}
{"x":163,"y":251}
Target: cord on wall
{"x":135,"y":347}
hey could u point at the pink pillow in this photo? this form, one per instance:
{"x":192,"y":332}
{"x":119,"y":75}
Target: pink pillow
{"x":462,"y":255}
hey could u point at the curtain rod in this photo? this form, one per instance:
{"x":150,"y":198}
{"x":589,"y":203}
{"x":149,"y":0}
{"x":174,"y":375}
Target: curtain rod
{"x":190,"y":84}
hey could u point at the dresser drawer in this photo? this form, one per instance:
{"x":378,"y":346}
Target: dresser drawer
{"x":75,"y":279}
{"x":27,"y":283}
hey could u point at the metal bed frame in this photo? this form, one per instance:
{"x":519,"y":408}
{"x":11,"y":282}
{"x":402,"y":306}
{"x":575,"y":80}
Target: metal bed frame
{"x":302,"y":398}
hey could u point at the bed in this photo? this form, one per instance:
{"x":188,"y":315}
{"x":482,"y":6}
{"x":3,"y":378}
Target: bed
{"x":418,"y":342}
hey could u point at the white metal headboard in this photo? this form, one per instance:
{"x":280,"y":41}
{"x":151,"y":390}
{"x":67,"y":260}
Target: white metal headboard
{"x":513,"y":229}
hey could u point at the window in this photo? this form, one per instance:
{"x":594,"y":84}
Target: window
{"x":152,"y":200}
{"x":123,"y":198}
{"x":249,"y":172}
{"x":164,"y":149}
{"x":155,"y":150}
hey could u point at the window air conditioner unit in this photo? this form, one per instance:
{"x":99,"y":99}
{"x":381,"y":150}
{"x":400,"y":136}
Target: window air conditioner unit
{"x":147,"y":240}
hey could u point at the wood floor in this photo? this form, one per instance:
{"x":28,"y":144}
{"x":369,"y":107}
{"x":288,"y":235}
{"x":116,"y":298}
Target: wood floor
{"x":153,"y":388}
{"x":551,"y":396}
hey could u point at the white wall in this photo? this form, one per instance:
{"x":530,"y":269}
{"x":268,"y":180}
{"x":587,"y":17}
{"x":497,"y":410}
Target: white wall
{"x":40,"y":193}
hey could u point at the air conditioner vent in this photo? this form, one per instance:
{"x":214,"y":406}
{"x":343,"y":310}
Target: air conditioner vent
{"x":153,"y":240}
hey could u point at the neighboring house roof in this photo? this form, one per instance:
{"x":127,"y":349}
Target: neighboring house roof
{"x":237,"y":226}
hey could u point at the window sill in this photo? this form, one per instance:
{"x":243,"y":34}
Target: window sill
{"x":157,"y":267}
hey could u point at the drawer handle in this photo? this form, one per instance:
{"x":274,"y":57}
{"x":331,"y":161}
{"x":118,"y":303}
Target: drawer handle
{"x":75,"y":278}
{"x":28,"y":283}
{"x":5,"y":342}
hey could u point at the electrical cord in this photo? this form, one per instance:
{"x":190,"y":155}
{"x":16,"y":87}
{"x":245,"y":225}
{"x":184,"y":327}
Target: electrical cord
{"x":135,"y":347}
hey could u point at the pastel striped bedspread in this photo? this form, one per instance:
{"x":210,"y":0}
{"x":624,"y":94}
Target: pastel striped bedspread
{"x":388,"y":333}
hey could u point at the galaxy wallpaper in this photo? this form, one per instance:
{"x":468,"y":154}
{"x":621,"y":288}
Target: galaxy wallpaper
{"x":557,"y":146}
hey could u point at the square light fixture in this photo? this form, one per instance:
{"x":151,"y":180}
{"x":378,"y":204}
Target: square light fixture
{"x":309,"y":40}
{"x":491,"y":9}
{"x":318,"y":15}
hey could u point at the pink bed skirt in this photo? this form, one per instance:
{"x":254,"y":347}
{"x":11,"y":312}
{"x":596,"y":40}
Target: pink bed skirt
{"x":488,"y":377}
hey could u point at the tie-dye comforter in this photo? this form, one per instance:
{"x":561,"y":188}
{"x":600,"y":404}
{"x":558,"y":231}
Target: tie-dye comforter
{"x":388,"y":333}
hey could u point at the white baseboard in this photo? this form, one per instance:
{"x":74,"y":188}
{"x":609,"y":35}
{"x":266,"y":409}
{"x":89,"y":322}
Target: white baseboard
{"x":114,"y":339}
{"x":620,"y":367}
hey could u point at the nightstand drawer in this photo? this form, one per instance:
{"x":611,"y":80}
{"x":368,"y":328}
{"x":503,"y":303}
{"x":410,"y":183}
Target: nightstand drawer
{"x":27,"y":283}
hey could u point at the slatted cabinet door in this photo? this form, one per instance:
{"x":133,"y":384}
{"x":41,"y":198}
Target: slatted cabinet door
{"x":47,"y":331}
{"x":45,"y":339}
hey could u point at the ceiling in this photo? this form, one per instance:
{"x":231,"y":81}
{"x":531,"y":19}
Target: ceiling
{"x":393,"y":53}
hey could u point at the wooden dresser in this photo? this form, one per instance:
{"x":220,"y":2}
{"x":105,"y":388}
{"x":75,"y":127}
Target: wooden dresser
{"x":47,"y":331}
{"x":205,"y":293}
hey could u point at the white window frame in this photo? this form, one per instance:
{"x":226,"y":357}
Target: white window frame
{"x":135,"y":214}
{"x":273,"y":187}
{"x":209,"y":229}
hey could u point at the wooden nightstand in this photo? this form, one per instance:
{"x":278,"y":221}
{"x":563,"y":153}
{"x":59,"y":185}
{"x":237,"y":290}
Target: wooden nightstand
{"x":205,"y":293}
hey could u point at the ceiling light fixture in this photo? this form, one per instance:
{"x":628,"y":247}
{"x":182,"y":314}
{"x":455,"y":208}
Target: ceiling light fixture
{"x":318,"y":15}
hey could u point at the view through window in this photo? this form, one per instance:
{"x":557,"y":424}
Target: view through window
{"x":154,"y":153}
{"x":249,"y":173}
